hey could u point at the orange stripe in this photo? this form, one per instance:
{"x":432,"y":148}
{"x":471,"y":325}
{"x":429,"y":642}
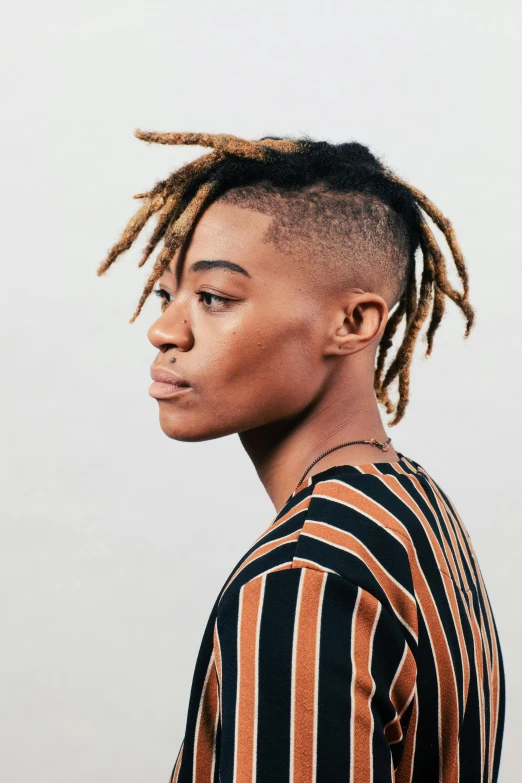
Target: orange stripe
{"x":402,"y":602}
{"x":441,"y":562}
{"x":219,"y":672}
{"x":457,"y":527}
{"x":357,"y":500}
{"x":361,"y":502}
{"x":479,"y":641}
{"x":373,"y":471}
{"x":401,"y":693}
{"x":479,"y":668}
{"x":365,"y":617}
{"x":493,"y":676}
{"x":259,"y":552}
{"x":491,"y":663}
{"x":349,"y":496}
{"x":301,"y":506}
{"x":250,"y":605}
{"x":475,"y":627}
{"x":204,"y":740}
{"x":462,"y":537}
{"x":494,"y":705}
{"x":305,"y":676}
{"x":448,"y":555}
{"x":404,"y":772}
{"x":446,"y":677}
{"x":474,"y":623}
{"x":452,"y":552}
{"x":448,"y":550}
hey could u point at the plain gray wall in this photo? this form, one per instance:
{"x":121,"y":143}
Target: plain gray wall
{"x":115,"y":539}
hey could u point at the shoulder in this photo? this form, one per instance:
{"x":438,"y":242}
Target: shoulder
{"x":300,"y":598}
{"x":353,"y":528}
{"x":346,"y":527}
{"x":356,"y":520}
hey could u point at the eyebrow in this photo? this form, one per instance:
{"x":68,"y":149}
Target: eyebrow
{"x":199,"y":266}
{"x":219,"y":263}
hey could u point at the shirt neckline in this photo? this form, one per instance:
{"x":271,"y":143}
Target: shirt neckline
{"x":405,"y":463}
{"x":366,"y":467}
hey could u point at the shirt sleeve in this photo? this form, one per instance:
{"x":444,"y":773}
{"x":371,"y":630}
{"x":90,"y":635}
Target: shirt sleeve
{"x":316,"y":681}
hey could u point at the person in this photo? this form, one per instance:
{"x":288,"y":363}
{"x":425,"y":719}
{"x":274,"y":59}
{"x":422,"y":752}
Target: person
{"x":354,"y":640}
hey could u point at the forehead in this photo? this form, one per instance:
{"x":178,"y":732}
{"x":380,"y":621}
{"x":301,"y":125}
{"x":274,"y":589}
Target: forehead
{"x":233,"y":223}
{"x":226,"y":231}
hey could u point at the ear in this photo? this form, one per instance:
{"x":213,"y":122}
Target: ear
{"x":359,"y":321}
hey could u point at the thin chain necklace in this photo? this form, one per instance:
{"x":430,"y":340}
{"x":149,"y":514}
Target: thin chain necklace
{"x":383,"y":445}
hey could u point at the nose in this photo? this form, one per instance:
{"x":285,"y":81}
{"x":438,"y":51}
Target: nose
{"x":172,"y":329}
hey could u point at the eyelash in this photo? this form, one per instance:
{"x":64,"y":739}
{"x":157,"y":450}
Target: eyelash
{"x":163,"y":295}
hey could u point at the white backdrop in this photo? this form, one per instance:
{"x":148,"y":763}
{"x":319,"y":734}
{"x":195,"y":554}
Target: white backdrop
{"x":112,"y":552}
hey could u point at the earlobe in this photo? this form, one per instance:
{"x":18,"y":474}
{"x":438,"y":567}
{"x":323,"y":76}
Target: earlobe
{"x":340,"y":348}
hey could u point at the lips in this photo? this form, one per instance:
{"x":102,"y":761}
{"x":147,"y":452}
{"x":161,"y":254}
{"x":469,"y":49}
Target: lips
{"x":161,"y":375}
{"x":167,"y":385}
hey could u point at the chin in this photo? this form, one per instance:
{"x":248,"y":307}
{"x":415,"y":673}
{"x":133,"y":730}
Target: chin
{"x":192,"y":426}
{"x":184,"y":429}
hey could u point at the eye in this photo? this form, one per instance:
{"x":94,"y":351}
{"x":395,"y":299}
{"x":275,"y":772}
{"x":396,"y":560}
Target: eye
{"x":163,"y":295}
{"x":213,"y":301}
{"x":210,"y":301}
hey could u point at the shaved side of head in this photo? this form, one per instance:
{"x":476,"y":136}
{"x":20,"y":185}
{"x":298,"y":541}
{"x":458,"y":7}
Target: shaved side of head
{"x":340,"y":240}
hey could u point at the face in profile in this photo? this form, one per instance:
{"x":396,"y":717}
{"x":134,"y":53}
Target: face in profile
{"x":246,"y":332}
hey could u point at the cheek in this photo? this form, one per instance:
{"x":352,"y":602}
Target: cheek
{"x":257,"y":366}
{"x":248,"y":377}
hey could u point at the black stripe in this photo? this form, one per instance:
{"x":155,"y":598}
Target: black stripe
{"x":275,"y":675}
{"x":335,"y":676}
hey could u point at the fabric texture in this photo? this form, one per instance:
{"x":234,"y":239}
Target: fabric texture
{"x":354,"y":641}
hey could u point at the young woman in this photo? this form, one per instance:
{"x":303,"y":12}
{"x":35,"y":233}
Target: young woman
{"x":354,"y":640}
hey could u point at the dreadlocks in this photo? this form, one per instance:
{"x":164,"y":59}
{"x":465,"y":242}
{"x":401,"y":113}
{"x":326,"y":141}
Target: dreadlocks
{"x":350,"y":196}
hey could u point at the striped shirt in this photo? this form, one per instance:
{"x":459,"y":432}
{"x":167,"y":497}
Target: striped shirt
{"x":354,"y":641}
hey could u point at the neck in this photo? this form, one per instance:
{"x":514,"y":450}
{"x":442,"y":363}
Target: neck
{"x":282,"y":451}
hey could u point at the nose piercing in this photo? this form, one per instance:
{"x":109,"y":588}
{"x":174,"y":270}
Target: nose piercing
{"x":173,"y":360}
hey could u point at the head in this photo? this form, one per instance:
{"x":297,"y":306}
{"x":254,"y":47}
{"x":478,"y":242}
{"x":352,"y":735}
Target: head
{"x":281,"y":262}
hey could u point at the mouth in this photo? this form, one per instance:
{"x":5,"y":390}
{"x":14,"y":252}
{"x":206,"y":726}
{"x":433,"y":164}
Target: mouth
{"x":166,"y":384}
{"x":163,"y":391}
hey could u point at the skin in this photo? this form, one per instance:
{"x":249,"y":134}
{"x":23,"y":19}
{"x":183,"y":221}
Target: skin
{"x":287,"y":368}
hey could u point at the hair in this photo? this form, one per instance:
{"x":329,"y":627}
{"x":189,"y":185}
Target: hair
{"x":338,"y":194}
{"x":340,"y":240}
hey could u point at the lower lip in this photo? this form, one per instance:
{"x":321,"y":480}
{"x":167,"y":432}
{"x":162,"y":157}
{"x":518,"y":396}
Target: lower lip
{"x":164,"y":391}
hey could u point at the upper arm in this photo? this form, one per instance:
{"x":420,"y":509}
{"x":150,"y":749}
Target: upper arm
{"x":316,"y":681}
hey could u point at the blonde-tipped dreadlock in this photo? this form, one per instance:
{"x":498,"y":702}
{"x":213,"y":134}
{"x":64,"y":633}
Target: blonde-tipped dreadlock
{"x":290,"y":165}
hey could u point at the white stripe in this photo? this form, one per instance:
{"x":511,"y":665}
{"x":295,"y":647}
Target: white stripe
{"x":214,"y":747}
{"x":220,"y":683}
{"x":198,"y":721}
{"x":294,"y":656}
{"x":236,"y":721}
{"x":278,"y":567}
{"x":406,"y":594}
{"x":290,"y":514}
{"x":370,"y":697}
{"x":175,"y":771}
{"x":399,"y":667}
{"x":352,"y":684}
{"x":316,"y":693}
{"x":314,"y":565}
{"x":256,"y":679}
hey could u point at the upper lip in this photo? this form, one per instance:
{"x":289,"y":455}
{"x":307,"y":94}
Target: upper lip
{"x":166,"y":376}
